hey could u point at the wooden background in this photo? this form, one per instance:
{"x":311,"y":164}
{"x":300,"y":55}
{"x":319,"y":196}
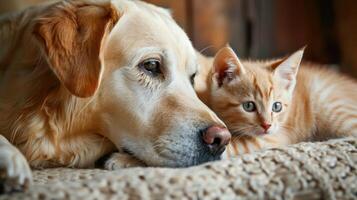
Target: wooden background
{"x":271,"y":28}
{"x":261,"y":29}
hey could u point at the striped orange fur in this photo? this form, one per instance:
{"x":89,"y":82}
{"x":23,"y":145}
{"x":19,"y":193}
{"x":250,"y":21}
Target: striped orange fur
{"x":316,"y":103}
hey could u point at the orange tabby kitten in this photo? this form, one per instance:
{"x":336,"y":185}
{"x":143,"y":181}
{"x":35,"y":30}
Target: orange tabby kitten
{"x":274,"y":103}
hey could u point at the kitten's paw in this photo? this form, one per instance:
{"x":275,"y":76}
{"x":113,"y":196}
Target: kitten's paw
{"x":122,"y":160}
{"x":15,"y":172}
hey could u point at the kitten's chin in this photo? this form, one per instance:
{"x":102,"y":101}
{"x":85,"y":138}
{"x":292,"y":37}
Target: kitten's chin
{"x":261,"y":133}
{"x":258,"y":132}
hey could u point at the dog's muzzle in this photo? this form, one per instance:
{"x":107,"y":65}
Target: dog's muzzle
{"x":205,"y":145}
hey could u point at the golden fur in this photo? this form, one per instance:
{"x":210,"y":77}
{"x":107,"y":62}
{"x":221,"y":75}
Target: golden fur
{"x":321,"y":105}
{"x":72,"y":89}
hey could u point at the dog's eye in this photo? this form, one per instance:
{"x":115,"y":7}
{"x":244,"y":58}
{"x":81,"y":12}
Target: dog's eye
{"x":151,"y":67}
{"x":192,"y":79}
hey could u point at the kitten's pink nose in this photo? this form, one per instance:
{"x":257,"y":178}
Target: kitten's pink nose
{"x":265,"y":126}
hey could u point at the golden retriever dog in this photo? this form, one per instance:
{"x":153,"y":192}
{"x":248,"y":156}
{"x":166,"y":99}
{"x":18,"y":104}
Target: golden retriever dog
{"x":81,"y":79}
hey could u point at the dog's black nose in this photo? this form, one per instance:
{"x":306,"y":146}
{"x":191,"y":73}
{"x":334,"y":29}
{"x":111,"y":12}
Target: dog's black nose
{"x":216,"y":138}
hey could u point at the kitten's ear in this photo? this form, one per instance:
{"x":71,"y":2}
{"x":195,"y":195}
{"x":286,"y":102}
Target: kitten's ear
{"x":226,"y":65}
{"x":285,"y":71}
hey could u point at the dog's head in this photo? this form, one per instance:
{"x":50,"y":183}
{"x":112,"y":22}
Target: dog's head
{"x":137,"y":67}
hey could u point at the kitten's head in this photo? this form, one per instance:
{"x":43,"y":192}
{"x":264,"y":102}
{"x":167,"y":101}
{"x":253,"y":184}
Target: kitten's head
{"x":253,"y":99}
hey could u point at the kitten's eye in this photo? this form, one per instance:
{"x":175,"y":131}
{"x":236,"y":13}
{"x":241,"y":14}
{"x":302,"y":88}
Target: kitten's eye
{"x":277,"y":107}
{"x":192,"y":79}
{"x":249,"y":106}
{"x":151,"y":66}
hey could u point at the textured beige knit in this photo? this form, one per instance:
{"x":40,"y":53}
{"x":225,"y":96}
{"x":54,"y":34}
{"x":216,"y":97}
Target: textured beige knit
{"x":325,"y":170}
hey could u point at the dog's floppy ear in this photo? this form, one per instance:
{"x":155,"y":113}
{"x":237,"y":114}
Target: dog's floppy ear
{"x":71,"y":33}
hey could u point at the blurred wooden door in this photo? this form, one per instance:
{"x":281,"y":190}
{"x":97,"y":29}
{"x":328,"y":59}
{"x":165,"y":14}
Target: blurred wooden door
{"x":262,"y":29}
{"x":205,"y":21}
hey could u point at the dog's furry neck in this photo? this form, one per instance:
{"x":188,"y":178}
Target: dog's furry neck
{"x":52,"y":127}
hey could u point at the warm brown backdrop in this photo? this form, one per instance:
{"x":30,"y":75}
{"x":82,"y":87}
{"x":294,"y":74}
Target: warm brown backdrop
{"x":270,"y":28}
{"x":264,"y":28}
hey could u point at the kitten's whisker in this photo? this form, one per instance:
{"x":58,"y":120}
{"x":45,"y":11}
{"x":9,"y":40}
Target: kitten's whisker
{"x":240,"y":129}
{"x":287,"y":127}
{"x":204,"y":49}
{"x":239,"y":133}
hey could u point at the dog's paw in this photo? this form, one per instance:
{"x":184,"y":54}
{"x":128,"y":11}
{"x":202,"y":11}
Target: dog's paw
{"x":122,"y":160}
{"x":15,"y":173}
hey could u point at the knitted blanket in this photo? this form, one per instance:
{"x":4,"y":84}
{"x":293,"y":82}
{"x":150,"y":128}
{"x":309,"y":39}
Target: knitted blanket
{"x":321,"y":170}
